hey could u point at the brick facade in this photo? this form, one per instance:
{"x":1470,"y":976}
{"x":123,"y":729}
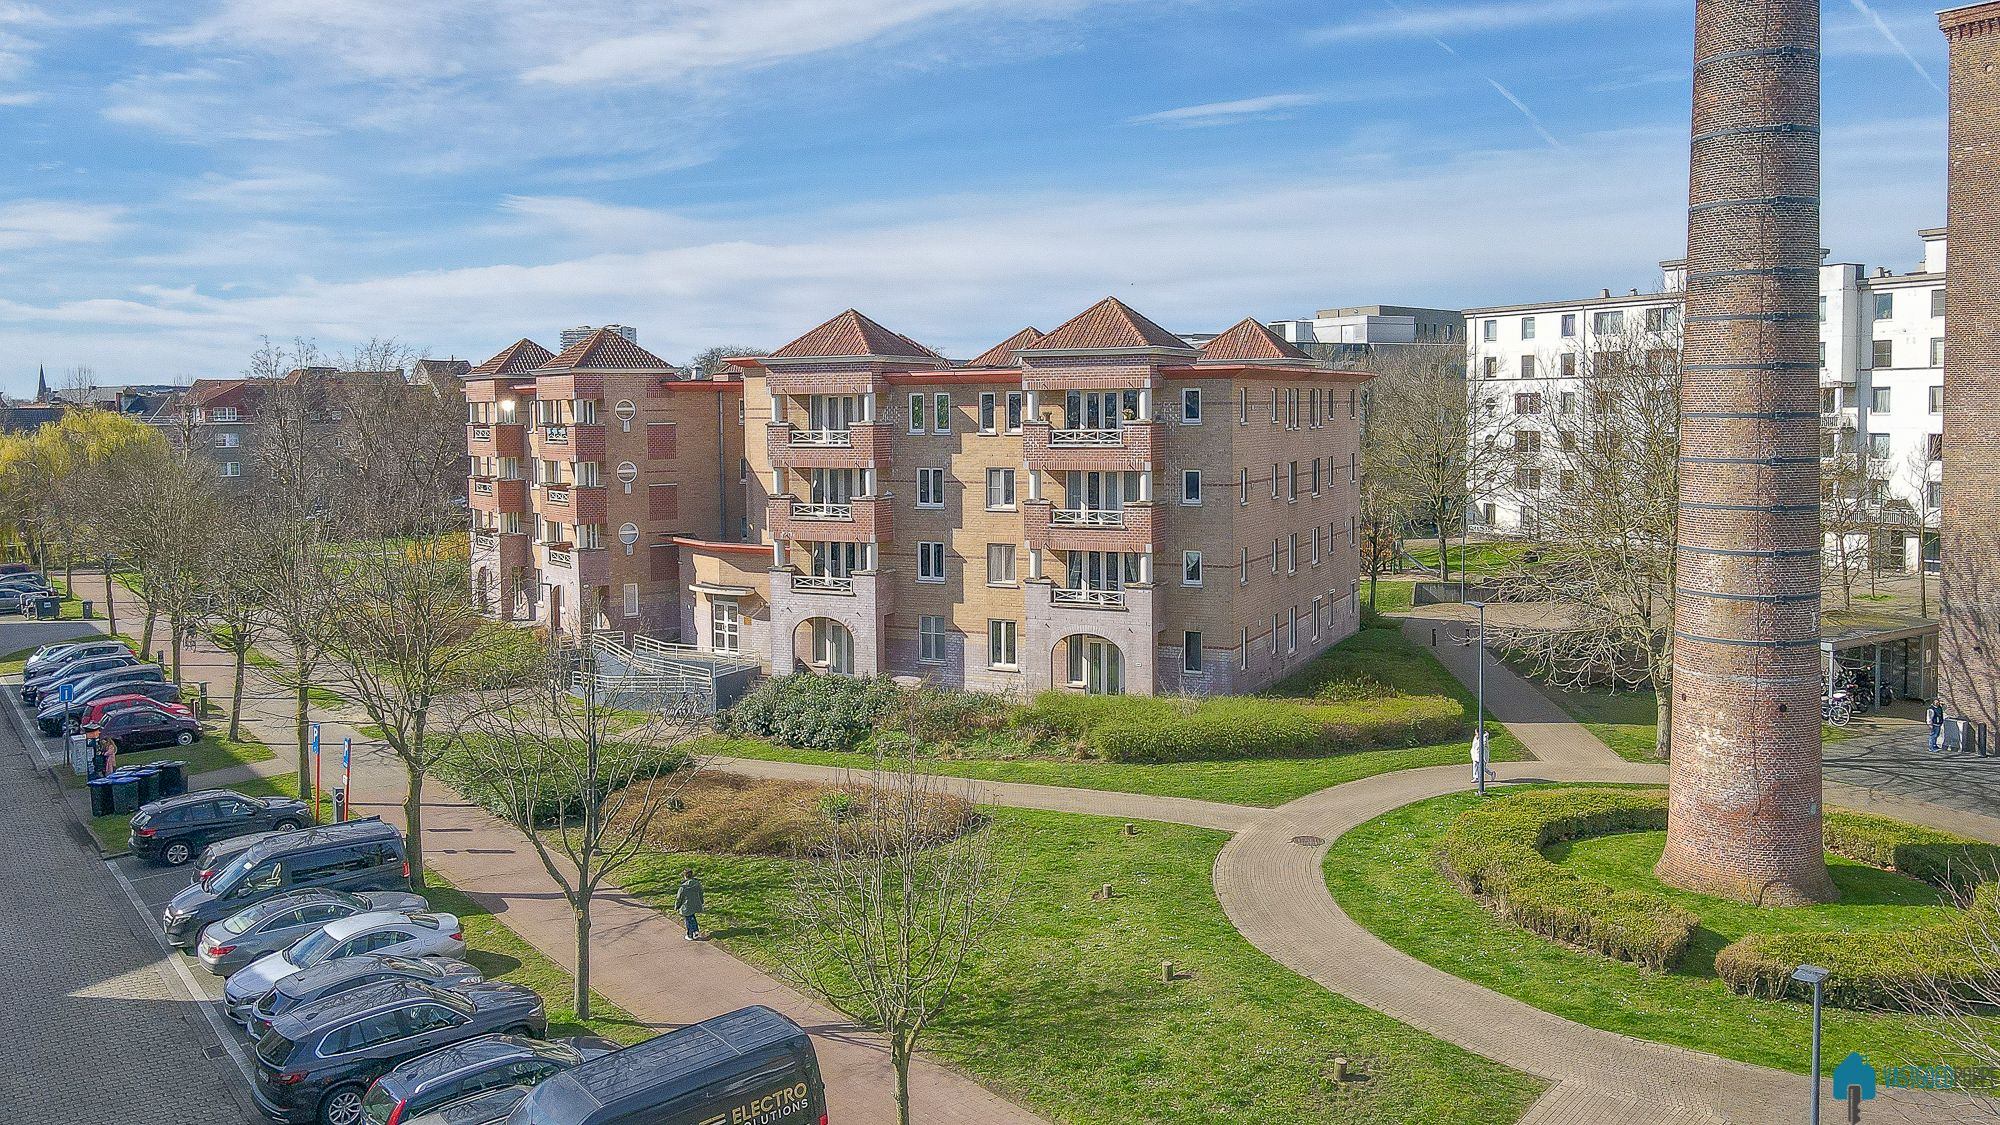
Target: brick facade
{"x":1744,"y":797}
{"x":1970,"y":642}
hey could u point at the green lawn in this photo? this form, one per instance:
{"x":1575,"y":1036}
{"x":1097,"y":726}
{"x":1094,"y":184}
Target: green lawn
{"x":316,"y":696}
{"x":1392,"y":595}
{"x":1475,"y":558}
{"x":1624,"y":720}
{"x":502,"y":954}
{"x":1063,"y":1008}
{"x":1386,"y":876}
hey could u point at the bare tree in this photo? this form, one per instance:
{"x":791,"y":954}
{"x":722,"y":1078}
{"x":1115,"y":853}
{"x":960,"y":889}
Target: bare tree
{"x":1915,"y":479}
{"x":403,"y":446}
{"x":1384,"y":507}
{"x":1957,"y":1009}
{"x":888,"y":905}
{"x":1428,"y":435}
{"x":1848,"y":504}
{"x":1604,"y":446}
{"x":405,"y":642}
{"x":583,"y":786}
{"x":169,"y":510}
{"x":233,"y":578}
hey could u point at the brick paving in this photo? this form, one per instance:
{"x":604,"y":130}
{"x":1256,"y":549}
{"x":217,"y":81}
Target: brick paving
{"x":94,"y":1029}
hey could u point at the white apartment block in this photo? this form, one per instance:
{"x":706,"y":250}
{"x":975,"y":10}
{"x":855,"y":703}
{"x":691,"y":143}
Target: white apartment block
{"x":1881,"y":383}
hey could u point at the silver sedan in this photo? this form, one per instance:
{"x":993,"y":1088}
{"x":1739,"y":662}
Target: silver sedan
{"x":381,"y":931}
{"x":276,"y":923}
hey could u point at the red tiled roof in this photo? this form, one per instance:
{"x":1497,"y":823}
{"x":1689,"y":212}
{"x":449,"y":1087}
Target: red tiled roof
{"x":1002,"y":353}
{"x":605,"y":350}
{"x":1249,"y":341}
{"x":1109,"y":324}
{"x":521,"y":357}
{"x":849,"y":335}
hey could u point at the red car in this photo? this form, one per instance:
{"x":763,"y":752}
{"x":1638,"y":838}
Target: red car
{"x":94,"y":712}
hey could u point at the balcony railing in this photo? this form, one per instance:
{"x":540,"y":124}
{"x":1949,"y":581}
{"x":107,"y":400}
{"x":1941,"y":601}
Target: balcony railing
{"x":561,"y":558}
{"x":482,"y":488}
{"x":823,"y":439}
{"x":555,"y":435}
{"x":482,"y":433}
{"x":1087,"y":598}
{"x":556,"y":495}
{"x":822,"y":584}
{"x":1086,"y":439}
{"x":822,"y":511}
{"x":1087,"y":517}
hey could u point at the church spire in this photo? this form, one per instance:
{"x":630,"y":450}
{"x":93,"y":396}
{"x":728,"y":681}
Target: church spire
{"x":41,"y":383}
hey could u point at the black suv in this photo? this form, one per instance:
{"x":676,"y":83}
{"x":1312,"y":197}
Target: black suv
{"x":456,"y":1073}
{"x":356,"y":855}
{"x":174,"y":830}
{"x":315,"y":1063}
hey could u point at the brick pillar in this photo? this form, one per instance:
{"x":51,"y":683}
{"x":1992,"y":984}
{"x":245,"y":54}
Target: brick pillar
{"x":1744,"y":798}
{"x":1969,"y":666}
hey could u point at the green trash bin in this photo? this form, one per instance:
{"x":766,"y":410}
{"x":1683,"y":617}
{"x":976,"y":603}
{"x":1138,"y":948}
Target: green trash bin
{"x":48,"y":607}
{"x":124,"y":793}
{"x":149,"y":785}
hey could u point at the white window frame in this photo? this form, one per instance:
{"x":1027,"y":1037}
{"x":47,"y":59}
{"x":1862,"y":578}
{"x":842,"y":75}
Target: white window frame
{"x":930,"y":561}
{"x":725,"y":633}
{"x":1191,"y":651}
{"x":989,"y":412}
{"x":1292,"y":554}
{"x":930,"y":482}
{"x":1001,"y":576}
{"x":1190,"y":406}
{"x":1315,"y":546}
{"x":630,"y":597}
{"x":1016,"y":411}
{"x":931,"y":632}
{"x":1243,"y":651}
{"x":1243,"y":486}
{"x":941,"y":412}
{"x":232,"y":469}
{"x":1191,"y":497}
{"x":1004,"y":478}
{"x":919,"y":405}
{"x":1243,"y":566}
{"x":1003,"y":641}
{"x":1191,"y":570}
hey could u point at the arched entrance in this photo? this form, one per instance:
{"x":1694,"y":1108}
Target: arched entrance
{"x":826,"y":645}
{"x":1090,"y":664}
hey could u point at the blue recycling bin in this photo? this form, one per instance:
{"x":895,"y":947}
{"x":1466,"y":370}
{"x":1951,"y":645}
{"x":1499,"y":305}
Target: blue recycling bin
{"x":100,"y":796}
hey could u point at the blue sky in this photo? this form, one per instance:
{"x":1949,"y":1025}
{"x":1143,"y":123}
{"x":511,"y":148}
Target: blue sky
{"x":187,"y":175}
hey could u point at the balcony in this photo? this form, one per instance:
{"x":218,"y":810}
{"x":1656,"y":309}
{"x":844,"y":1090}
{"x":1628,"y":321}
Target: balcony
{"x":1087,"y":598}
{"x":861,"y":446}
{"x":1129,"y":528}
{"x":570,"y":442}
{"x":497,"y":496}
{"x":588,"y":565}
{"x":506,"y":549}
{"x":496,"y":441}
{"x":863,"y":519}
{"x":823,"y":584}
{"x":1129,"y":448}
{"x":574,"y":503}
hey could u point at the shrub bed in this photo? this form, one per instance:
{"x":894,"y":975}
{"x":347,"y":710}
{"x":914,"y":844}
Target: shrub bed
{"x":477,"y":777}
{"x":1938,"y":858}
{"x":1495,"y":853}
{"x":809,"y":712}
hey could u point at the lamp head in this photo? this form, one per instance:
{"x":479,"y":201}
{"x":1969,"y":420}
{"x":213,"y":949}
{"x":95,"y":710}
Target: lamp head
{"x":1810,"y":974}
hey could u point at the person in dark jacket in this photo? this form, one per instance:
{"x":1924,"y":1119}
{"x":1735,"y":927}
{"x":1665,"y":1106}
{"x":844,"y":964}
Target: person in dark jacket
{"x":688,"y":902}
{"x":1935,"y":718}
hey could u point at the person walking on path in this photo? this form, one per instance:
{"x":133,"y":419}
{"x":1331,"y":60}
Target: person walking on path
{"x":1935,"y":717}
{"x":688,"y":902}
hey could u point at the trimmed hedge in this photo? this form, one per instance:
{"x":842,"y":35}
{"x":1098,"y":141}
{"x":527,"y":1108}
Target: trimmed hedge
{"x":810,"y":712}
{"x":561,"y":795}
{"x":1495,"y":853}
{"x":1882,"y":970}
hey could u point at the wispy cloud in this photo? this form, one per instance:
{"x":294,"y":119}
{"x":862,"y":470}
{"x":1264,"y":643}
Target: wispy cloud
{"x":265,"y":189}
{"x":1227,"y":113}
{"x":1533,"y":120}
{"x":1895,"y":41}
{"x":36,"y":223}
{"x":1461,"y":20}
{"x":1636,"y":78}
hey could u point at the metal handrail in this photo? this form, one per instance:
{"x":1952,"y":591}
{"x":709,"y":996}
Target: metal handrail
{"x":822,"y":511}
{"x":1088,"y":598}
{"x":833,"y":439}
{"x":482,"y":433}
{"x":561,"y":559}
{"x":555,"y":435}
{"x":822,"y":584}
{"x":1095,"y":439}
{"x":1087,"y":517}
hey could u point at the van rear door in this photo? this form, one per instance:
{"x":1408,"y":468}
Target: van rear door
{"x":769,"y":1089}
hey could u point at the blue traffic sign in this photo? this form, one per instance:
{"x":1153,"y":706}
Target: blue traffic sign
{"x":65,"y":692}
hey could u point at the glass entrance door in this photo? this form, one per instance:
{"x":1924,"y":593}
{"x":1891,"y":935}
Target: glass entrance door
{"x":1096,"y":666}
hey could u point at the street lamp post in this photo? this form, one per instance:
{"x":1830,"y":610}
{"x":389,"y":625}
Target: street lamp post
{"x":1479,"y":711}
{"x":1815,"y":976}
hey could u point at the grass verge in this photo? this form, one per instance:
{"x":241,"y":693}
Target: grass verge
{"x":1624,"y":720}
{"x":1063,"y":1008}
{"x":1385,"y":875}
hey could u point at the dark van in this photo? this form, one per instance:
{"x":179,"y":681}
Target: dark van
{"x":357,"y":855}
{"x":748,"y":1067}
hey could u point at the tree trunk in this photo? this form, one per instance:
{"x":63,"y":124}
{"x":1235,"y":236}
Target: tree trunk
{"x":1923,"y":580}
{"x":146,"y":635}
{"x":580,"y":1000}
{"x":110,"y":603}
{"x":1663,"y":719}
{"x":236,"y":689}
{"x":299,"y":728}
{"x":899,"y":1056}
{"x":1374,"y":576}
{"x":413,"y":826}
{"x":174,"y":632}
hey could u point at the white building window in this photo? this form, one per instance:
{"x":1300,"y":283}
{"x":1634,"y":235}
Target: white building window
{"x":222,"y":414}
{"x":1881,"y":400}
{"x":1527,"y":328}
{"x":229,"y":440}
{"x":1885,"y":306}
{"x":1002,"y":644}
{"x":1191,"y":651}
{"x":930,"y":488}
{"x":1243,"y":651}
{"x":1014,"y":404}
{"x":930,"y":639}
{"x":1191,"y":486}
{"x":930,"y":562}
{"x":916,"y":413}
{"x":1190,"y":568}
{"x":989,"y":412}
{"x":631,"y":599}
{"x":941,"y":413}
{"x":1191,"y":405}
{"x":999,"y":490}
{"x":232,"y":468}
{"x":999,"y":564}
{"x":726,"y":626}
{"x":1937,"y":302}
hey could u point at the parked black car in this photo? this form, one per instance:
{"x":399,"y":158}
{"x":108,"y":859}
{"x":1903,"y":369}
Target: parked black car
{"x":315,"y":1063}
{"x":458,"y":1072}
{"x":145,"y":728}
{"x":50,"y":683}
{"x":345,"y":974}
{"x":55,"y":715}
{"x":748,"y":1065}
{"x":357,"y":855}
{"x":174,"y":830}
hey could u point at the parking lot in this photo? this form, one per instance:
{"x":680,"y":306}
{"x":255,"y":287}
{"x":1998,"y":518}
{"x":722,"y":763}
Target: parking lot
{"x":100,"y":1024}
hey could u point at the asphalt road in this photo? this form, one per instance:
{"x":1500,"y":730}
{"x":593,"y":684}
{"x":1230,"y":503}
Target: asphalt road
{"x":99,"y":1025}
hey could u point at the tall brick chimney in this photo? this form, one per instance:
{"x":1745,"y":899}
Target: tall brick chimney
{"x":1969,"y":665}
{"x":1744,"y":796}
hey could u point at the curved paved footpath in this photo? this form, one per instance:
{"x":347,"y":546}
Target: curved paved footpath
{"x":1275,"y":892}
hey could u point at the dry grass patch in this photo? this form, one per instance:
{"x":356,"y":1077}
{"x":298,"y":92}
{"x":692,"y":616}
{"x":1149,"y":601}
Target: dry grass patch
{"x":727,"y":814}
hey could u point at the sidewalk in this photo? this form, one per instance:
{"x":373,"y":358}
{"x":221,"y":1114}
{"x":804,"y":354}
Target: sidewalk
{"x":641,"y":959}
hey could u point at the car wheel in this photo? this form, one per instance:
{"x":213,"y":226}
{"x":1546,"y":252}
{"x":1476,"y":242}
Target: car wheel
{"x":522,"y":1030}
{"x":285,"y":826}
{"x":341,"y":1107}
{"x":176,"y":853}
{"x":184,"y":738}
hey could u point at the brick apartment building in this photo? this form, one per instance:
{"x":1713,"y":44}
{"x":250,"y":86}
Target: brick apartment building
{"x":1105,"y":507}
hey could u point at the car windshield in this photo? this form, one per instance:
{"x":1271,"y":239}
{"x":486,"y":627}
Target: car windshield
{"x":379,"y":1107}
{"x":231,"y":873}
{"x":273,"y":1049}
{"x":311,"y":949}
{"x":242,"y":920}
